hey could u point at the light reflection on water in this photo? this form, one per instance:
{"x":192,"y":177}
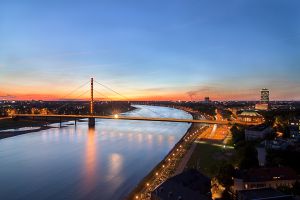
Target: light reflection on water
{"x":90,"y":160}
{"x":81,"y":163}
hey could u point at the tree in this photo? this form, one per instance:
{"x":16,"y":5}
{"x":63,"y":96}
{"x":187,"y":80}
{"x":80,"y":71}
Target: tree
{"x":226,"y":195}
{"x":249,"y":157}
{"x":225,"y":174}
{"x":296,"y":188}
{"x":238,"y":134}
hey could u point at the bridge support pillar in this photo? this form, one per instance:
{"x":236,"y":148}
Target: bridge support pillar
{"x":91,"y":122}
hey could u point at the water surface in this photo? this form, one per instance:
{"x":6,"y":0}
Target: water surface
{"x":81,"y":163}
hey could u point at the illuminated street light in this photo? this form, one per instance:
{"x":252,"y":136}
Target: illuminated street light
{"x":116,"y":116}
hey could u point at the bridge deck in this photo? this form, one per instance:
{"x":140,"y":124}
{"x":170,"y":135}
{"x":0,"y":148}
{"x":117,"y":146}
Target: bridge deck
{"x":137,"y":118}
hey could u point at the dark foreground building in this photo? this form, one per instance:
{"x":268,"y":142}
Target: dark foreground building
{"x":265,"y":178}
{"x":189,"y":185}
{"x":263,"y":194}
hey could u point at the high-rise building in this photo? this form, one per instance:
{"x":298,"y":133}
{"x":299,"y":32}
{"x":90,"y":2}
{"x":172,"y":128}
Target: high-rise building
{"x":206,"y":100}
{"x":265,"y":95}
{"x":264,"y":100}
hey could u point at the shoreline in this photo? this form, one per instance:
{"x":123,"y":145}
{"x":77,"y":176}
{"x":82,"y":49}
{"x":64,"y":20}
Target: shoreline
{"x":8,"y":134}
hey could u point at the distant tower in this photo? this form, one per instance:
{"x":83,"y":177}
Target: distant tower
{"x":206,"y":100}
{"x":264,"y":95}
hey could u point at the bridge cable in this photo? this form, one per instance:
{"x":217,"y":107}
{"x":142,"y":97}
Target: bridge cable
{"x":112,"y":101}
{"x":124,"y":96}
{"x":112,"y":90}
{"x":74,"y":98}
{"x":74,"y":90}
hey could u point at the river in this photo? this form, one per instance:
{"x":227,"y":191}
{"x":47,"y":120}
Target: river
{"x":81,"y":163}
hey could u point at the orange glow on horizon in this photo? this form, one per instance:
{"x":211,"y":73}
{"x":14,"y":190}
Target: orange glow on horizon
{"x":84,"y":95}
{"x":171,"y":97}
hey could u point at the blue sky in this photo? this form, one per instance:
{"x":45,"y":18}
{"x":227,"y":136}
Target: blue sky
{"x":151,"y":49}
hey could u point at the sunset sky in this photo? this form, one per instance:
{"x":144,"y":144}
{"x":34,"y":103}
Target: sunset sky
{"x":150,"y":49}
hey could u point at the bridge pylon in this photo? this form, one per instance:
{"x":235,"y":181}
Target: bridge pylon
{"x":92,"y":119}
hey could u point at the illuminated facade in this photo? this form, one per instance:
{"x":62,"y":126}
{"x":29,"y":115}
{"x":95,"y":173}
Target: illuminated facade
{"x":264,"y":100}
{"x":264,"y":96}
{"x":250,"y":116}
{"x":262,"y":106}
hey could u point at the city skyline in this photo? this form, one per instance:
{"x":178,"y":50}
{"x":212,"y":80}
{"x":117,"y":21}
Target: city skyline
{"x":154,"y":50}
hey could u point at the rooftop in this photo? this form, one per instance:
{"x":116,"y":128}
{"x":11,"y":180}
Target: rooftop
{"x":190,"y":185}
{"x":265,"y":193}
{"x":268,"y":174}
{"x":260,"y":127}
{"x":249,"y":113}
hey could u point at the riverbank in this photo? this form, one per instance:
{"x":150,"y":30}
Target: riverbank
{"x":7,"y":134}
{"x":10,"y":127}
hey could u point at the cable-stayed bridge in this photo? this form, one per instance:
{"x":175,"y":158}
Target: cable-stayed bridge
{"x":91,"y":116}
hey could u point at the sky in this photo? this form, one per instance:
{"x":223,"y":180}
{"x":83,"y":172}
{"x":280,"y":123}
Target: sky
{"x":150,"y":49}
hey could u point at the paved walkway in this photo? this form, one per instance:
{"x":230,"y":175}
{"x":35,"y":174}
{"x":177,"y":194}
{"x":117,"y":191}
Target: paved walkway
{"x":185,"y":159}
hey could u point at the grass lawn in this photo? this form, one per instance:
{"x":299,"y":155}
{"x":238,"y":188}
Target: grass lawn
{"x":208,"y":157}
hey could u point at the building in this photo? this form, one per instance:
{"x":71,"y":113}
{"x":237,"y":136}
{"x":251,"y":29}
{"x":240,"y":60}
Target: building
{"x":263,"y":194}
{"x":264,"y":178}
{"x":261,"y":154}
{"x":264,"y":96}
{"x":206,"y":100}
{"x":264,"y":100}
{"x":257,"y":132}
{"x":294,"y":125}
{"x":190,"y":184}
{"x":250,"y":117}
{"x":261,"y":106}
{"x":277,"y":144}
